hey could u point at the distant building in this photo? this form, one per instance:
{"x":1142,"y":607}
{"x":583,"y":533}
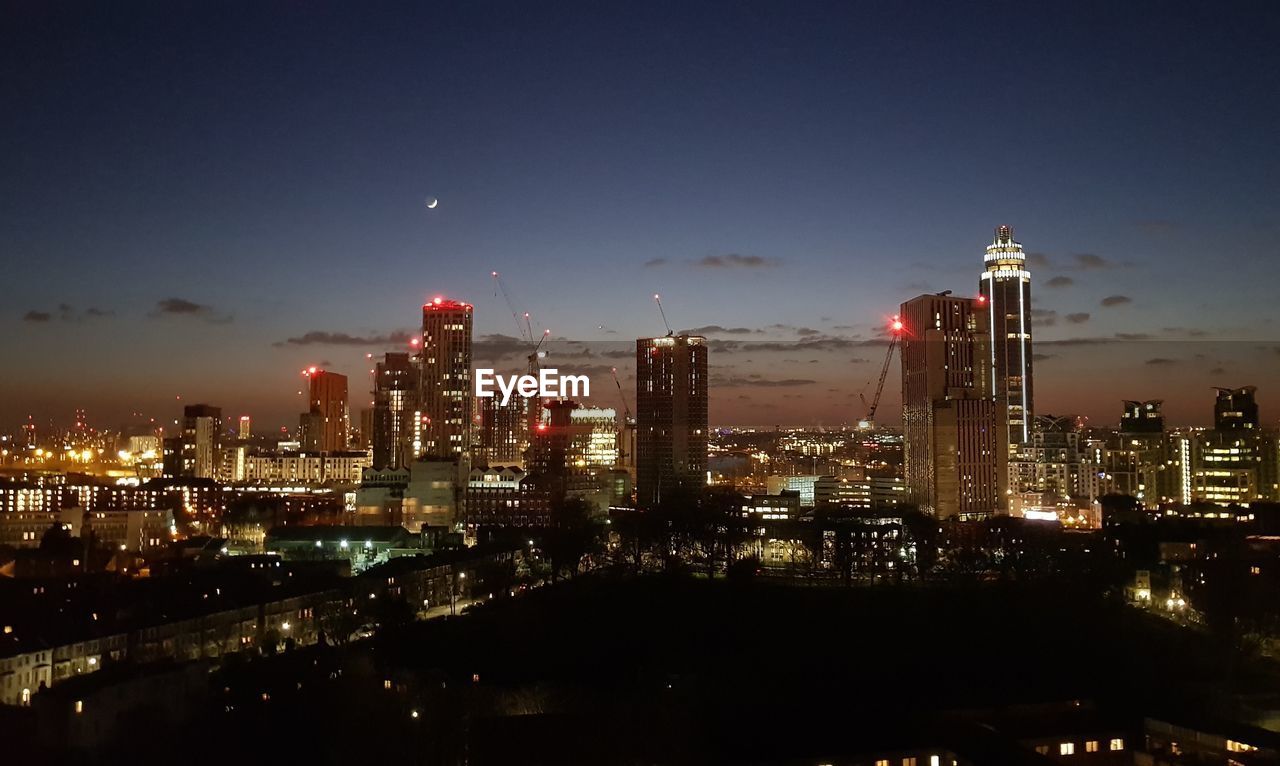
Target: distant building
{"x":445,"y":383}
{"x":503,"y":434}
{"x":246,"y":428}
{"x":1054,"y":461}
{"x":1142,"y":417}
{"x":1236,"y":409}
{"x":426,"y":493}
{"x":784,"y":505}
{"x":363,"y":546}
{"x":671,"y":416}
{"x":804,"y":486}
{"x":1005,"y":287}
{"x":955,"y":457}
{"x":306,"y":467}
{"x":326,"y":425}
{"x":201,"y":442}
{"x":395,"y":408}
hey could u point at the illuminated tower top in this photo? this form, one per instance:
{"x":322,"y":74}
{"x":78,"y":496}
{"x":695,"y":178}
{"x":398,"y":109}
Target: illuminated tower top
{"x":1004,"y":251}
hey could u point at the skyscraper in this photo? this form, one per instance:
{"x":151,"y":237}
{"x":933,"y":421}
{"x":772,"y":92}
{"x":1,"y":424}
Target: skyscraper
{"x":671,"y":416}
{"x":395,"y":402}
{"x":201,"y":440}
{"x":503,"y":432}
{"x":955,"y":458}
{"x":445,"y":381}
{"x":1005,"y":287}
{"x":326,"y":423}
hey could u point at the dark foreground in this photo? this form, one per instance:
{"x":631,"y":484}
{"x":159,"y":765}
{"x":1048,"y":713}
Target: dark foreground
{"x":689,"y":671}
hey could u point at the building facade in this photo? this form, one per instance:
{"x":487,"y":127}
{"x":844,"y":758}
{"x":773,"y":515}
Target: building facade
{"x":671,"y":416}
{"x":1005,"y":289}
{"x":445,"y":383}
{"x":955,"y":456}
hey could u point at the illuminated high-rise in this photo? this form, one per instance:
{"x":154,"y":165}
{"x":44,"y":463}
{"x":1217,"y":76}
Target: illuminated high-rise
{"x":201,"y":442}
{"x":671,"y":416}
{"x":954,"y":456}
{"x":1005,"y":287}
{"x":395,"y":402}
{"x":326,"y":424}
{"x":503,"y":432}
{"x":445,"y":379}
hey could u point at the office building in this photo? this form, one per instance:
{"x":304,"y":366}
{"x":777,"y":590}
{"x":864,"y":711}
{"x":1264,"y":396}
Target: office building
{"x":955,"y":456}
{"x":671,"y":416}
{"x":1005,"y":289}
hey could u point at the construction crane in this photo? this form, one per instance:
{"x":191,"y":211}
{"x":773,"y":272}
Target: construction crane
{"x":626,"y":408}
{"x":525,"y":329}
{"x":658,"y":299}
{"x":895,"y":331}
{"x":626,"y":434}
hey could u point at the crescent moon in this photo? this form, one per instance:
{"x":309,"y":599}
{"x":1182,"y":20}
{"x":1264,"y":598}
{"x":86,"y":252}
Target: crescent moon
{"x":432,"y":202}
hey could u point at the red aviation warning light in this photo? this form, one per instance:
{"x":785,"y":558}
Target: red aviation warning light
{"x":896,"y":326}
{"x":414,"y":342}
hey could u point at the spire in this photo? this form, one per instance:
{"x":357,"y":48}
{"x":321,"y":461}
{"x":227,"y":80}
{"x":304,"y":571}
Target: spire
{"x":1004,"y":234}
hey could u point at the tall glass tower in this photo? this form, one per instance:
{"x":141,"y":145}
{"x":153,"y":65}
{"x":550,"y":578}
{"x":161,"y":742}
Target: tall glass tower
{"x":1005,"y":287}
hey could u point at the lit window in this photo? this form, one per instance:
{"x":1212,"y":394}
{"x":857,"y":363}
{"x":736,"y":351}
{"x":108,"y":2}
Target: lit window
{"x":1117,"y":744}
{"x":1067,"y":748}
{"x":1091,"y":746}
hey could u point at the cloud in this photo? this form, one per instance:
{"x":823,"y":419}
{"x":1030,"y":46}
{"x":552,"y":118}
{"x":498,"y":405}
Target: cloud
{"x":807,"y":332}
{"x":1133,"y":336}
{"x":1090,"y":261}
{"x":1190,"y":332}
{"x":1218,"y":371}
{"x":652,"y":262}
{"x":1038,"y":260}
{"x":322,"y":338}
{"x":736,"y":382}
{"x":824,"y":343}
{"x":1078,"y":317}
{"x":1059,"y":281}
{"x":181,"y":307}
{"x":734,"y":260}
{"x":490,"y":348}
{"x":1158,"y":361}
{"x":66,"y":313}
{"x":715,"y":329}
{"x":1093,"y":341}
{"x":1042,"y":357}
{"x":1043,"y":318}
{"x":1116,"y":300}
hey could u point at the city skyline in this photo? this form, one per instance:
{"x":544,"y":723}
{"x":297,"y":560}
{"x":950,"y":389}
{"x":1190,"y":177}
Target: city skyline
{"x":187,"y":251}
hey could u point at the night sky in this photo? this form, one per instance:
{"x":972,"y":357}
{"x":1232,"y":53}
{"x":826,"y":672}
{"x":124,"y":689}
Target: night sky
{"x":200,"y":199}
